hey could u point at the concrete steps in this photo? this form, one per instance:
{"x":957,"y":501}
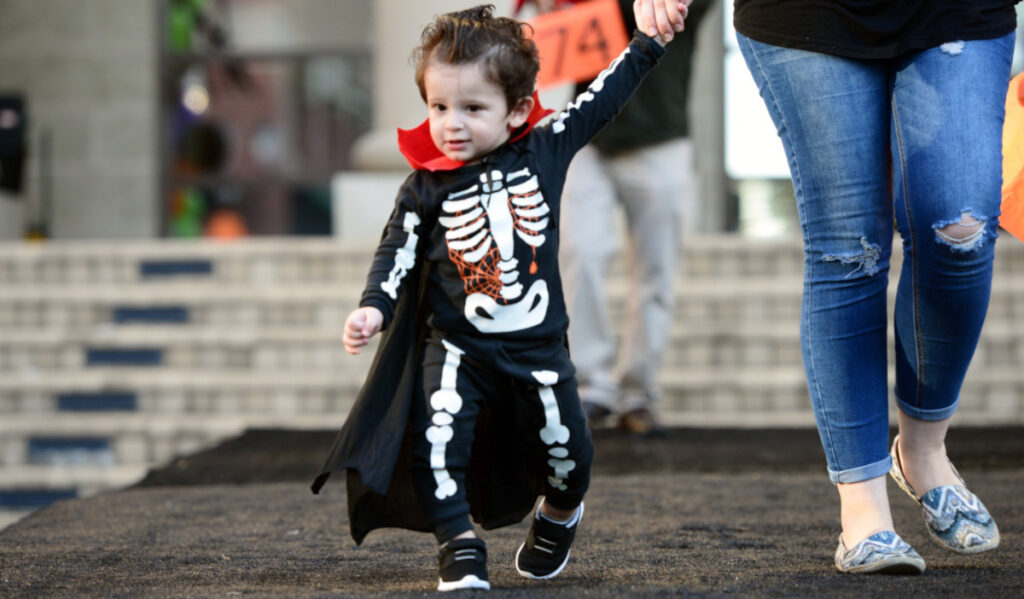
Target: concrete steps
{"x":739,"y":342}
{"x":308,"y":260}
{"x":211,"y":303}
{"x":118,"y":356}
{"x":107,"y":440}
{"x":272,"y":261}
{"x":279,"y":396}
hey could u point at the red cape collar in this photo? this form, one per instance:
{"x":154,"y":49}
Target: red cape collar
{"x":419,"y":149}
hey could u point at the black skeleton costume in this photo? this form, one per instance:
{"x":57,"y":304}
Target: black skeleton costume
{"x":471,"y":399}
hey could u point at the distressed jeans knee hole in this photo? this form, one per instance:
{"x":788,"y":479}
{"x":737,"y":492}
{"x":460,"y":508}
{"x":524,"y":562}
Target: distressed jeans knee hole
{"x":962,"y":235}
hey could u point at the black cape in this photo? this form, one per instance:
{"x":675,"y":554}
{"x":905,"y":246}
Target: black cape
{"x":374,"y":447}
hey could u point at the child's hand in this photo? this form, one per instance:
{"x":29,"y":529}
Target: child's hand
{"x":661,"y":19}
{"x":360,"y":325}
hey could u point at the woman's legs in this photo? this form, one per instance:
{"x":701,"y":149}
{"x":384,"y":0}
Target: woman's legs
{"x":832,"y":115}
{"x":946,"y":139}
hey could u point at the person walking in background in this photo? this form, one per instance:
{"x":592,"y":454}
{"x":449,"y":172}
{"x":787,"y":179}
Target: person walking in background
{"x":641,"y":163}
{"x":887,"y":111}
{"x":471,"y":406}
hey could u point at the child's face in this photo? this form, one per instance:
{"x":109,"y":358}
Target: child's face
{"x":468,"y":114}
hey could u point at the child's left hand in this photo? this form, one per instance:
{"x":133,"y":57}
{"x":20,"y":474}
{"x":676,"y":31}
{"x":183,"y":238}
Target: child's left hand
{"x":360,"y":325}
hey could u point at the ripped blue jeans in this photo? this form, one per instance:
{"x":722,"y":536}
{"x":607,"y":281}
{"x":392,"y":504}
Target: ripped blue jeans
{"x":915,"y":139}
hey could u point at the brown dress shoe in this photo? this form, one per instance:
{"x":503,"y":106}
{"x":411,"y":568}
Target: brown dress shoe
{"x":641,"y":422}
{"x":596,"y":414}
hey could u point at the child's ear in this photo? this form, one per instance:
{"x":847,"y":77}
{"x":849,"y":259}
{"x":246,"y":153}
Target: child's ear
{"x":520,"y":112}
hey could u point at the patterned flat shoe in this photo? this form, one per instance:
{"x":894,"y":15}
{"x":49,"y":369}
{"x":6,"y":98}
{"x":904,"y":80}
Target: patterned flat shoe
{"x":881,"y":553}
{"x":955,"y":517}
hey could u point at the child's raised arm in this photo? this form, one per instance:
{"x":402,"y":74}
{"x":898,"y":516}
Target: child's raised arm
{"x":582,"y":118}
{"x":360,"y":325}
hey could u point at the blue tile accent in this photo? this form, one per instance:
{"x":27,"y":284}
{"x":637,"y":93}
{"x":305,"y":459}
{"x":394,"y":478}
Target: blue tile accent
{"x":173,"y":268}
{"x":99,"y":401}
{"x":30,"y":499}
{"x":150,"y":314}
{"x":123,"y":356}
{"x":70,"y":451}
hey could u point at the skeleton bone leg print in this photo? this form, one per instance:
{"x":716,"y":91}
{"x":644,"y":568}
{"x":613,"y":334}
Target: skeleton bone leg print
{"x":446,"y":403}
{"x":484,"y":221}
{"x":554,"y":434}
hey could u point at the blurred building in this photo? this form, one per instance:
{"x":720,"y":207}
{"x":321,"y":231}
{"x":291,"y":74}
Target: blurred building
{"x":179,"y":118}
{"x":152,"y":118}
{"x":146,"y":117}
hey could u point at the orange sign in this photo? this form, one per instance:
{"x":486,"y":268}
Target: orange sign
{"x":577,"y":43}
{"x":1012,"y":218}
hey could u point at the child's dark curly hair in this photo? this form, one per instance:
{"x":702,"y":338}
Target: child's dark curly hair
{"x":508,"y":56}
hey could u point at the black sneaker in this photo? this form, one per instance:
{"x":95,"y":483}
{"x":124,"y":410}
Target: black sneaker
{"x":546,"y":550}
{"x":462,"y":564}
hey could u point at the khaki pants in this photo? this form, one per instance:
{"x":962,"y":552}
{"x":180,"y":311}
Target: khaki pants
{"x":650,"y":184}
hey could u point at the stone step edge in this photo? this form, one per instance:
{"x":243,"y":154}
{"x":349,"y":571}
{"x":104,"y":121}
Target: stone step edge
{"x":129,"y":378}
{"x":107,"y":424}
{"x":158,"y":248}
{"x":302,"y":245}
{"x":86,"y":478}
{"x":178,"y":292}
{"x":788,"y":379}
{"x":110,"y":335}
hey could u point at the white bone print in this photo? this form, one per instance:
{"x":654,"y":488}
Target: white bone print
{"x":489,"y":216}
{"x":558,"y":125}
{"x":554,"y":432}
{"x":562,"y":467}
{"x":405,"y":257}
{"x":499,"y":216}
{"x":446,"y":402}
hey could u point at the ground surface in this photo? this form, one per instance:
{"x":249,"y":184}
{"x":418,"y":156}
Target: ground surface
{"x":697,"y":513}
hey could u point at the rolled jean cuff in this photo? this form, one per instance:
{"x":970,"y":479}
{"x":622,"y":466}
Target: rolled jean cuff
{"x":861,"y":473}
{"x":929,"y":415}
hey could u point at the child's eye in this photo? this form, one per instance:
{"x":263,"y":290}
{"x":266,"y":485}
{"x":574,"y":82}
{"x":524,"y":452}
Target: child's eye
{"x":474,"y":108}
{"x":438,"y":107}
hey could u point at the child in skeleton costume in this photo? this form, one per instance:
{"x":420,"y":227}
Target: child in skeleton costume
{"x":471,"y":406}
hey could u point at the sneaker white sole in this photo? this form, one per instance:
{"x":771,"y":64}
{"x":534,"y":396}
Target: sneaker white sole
{"x":558,"y":570}
{"x":526,"y":574}
{"x":467,"y":582}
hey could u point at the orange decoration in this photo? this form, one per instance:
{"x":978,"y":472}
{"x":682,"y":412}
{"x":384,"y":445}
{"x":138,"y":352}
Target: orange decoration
{"x":225,"y":224}
{"x":577,"y":43}
{"x":1012,"y":218}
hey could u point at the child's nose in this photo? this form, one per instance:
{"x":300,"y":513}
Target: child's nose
{"x":454,"y":121}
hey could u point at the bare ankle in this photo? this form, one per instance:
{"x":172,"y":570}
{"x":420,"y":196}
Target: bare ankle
{"x":864,"y":510}
{"x":921,"y":449}
{"x":925,"y":468}
{"x":555,"y":513}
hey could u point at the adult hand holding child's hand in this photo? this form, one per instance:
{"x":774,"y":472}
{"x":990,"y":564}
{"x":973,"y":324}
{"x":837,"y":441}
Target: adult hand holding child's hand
{"x":661,"y":19}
